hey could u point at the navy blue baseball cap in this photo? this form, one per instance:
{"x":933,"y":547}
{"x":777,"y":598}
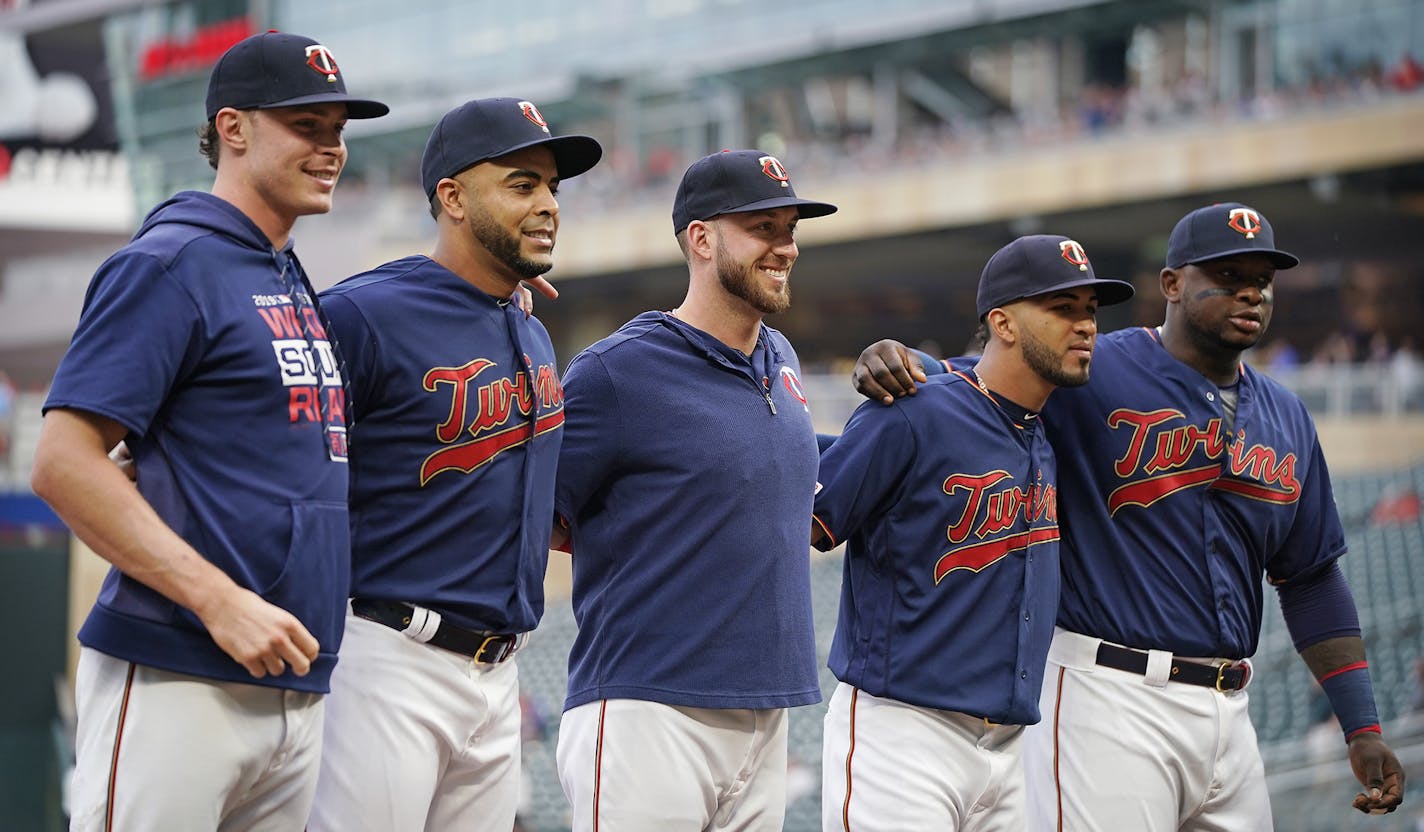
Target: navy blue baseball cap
{"x":488,"y":128}
{"x":1222,"y":230}
{"x":276,"y":69}
{"x":1039,"y":264}
{"x":735,"y":181}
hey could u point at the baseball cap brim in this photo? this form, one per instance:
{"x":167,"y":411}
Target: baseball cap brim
{"x":573,"y":155}
{"x":355,"y":107}
{"x":1109,"y":291}
{"x":806,"y":207}
{"x":1279,"y":259}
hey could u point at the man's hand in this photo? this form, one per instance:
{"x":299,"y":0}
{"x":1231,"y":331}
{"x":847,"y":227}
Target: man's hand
{"x":887,"y":370}
{"x":1378,"y":770}
{"x":524,"y":299}
{"x":263,"y":638}
{"x":75,"y":473}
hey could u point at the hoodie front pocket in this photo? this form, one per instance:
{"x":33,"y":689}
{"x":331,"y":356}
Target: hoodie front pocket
{"x":316,"y":577}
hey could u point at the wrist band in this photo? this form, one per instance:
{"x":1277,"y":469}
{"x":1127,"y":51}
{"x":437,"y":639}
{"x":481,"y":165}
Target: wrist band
{"x":1352,"y":698}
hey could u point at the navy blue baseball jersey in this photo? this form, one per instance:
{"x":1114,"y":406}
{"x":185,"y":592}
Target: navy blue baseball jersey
{"x":203,"y":341}
{"x":451,"y":501}
{"x":947,"y":503}
{"x":1169,"y":522}
{"x":687,"y":474}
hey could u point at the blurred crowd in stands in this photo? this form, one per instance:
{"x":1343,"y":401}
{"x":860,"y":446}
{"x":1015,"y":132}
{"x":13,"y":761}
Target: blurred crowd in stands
{"x":1380,"y":308}
{"x":1101,"y":110}
{"x":1369,"y":330}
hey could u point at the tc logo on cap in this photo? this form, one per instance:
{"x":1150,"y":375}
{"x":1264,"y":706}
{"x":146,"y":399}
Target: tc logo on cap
{"x":532,"y":113}
{"x":1246,"y":221}
{"x":1073,"y":252}
{"x":771,"y":166}
{"x":319,"y":58}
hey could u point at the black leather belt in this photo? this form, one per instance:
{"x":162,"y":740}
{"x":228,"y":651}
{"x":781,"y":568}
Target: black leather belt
{"x":479,"y":645}
{"x":1221,"y":677}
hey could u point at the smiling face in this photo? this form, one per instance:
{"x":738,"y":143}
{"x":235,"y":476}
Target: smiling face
{"x":1057,"y":332}
{"x":1226,"y":303}
{"x":755,"y":251}
{"x":513,"y":214}
{"x":294,"y":156}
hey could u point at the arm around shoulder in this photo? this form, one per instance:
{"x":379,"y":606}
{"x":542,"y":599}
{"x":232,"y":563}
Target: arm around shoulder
{"x":887,"y":370}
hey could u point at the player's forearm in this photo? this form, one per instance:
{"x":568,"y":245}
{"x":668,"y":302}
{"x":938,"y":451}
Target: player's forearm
{"x":1332,"y":654}
{"x":1320,"y":613}
{"x":1344,"y":675}
{"x":74,"y":475}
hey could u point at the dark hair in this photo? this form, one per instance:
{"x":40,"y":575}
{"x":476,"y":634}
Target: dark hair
{"x":435,"y":206}
{"x":208,"y":144}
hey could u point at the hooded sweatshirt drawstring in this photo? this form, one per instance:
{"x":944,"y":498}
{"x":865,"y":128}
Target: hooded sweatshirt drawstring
{"x":299,"y":287}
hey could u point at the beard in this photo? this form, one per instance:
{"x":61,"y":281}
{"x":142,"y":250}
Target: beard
{"x":504,"y":245}
{"x":739,"y":282}
{"x":1049,"y":366}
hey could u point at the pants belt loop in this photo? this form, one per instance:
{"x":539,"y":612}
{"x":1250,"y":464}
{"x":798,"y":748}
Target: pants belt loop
{"x":1159,"y":668}
{"x":423,"y":624}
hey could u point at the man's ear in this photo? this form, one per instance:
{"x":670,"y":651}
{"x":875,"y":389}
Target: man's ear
{"x":452,"y":198}
{"x":1172,"y":284}
{"x":699,"y":239}
{"x":231,"y":128}
{"x":1000,"y":324}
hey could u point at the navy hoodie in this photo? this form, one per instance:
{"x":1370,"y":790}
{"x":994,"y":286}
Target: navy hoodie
{"x":203,"y":341}
{"x":687,"y":473}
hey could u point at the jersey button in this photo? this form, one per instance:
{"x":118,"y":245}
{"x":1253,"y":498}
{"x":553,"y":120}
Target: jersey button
{"x":1210,"y":396}
{"x":1027,"y":616}
{"x":1023,"y":674}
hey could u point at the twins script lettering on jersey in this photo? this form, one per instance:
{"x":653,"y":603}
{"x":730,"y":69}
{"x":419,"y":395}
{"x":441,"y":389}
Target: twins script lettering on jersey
{"x":988,"y":514}
{"x":1162,"y":459}
{"x":494,"y":403}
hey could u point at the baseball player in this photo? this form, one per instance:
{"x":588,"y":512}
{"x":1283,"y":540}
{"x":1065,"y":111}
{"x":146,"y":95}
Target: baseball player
{"x":457,"y":413}
{"x":201,"y":345}
{"x":686,"y":478}
{"x":940,"y":643}
{"x":1184,"y":477}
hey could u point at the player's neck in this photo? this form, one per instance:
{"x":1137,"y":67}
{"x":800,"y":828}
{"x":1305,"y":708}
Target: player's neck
{"x":1221,"y":366}
{"x":735,"y":324}
{"x":473,"y":265}
{"x":275,"y":226}
{"x":1008,"y":376}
